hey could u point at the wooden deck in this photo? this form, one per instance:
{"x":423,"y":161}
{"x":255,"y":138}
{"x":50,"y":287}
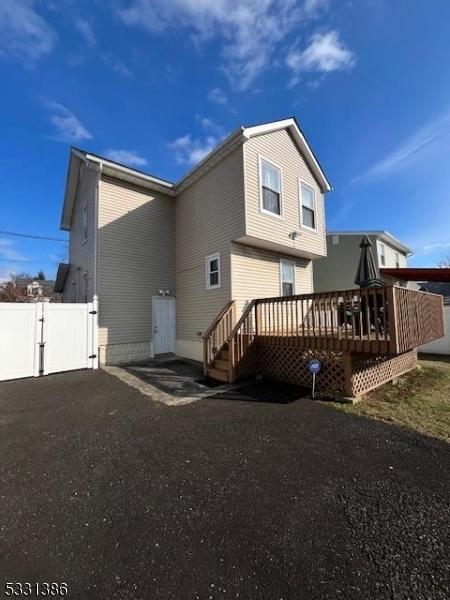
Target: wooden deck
{"x":385,"y":321}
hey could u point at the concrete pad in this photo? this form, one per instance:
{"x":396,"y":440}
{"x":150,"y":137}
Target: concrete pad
{"x":170,"y":380}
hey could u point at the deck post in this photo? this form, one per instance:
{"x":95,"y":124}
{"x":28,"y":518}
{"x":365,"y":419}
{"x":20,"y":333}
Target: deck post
{"x":392,"y":320}
{"x":348,"y":374}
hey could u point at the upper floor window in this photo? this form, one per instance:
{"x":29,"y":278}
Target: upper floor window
{"x":85,"y":222}
{"x":287,"y":277}
{"x":397,"y":260}
{"x":308,"y":206}
{"x":270,"y":180}
{"x":212,"y":265}
{"x":382,"y":254}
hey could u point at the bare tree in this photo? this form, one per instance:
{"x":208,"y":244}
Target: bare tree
{"x":9,"y":292}
{"x":444,"y":263}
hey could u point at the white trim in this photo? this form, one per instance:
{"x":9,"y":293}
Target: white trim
{"x":261,"y":205}
{"x":104,"y":162}
{"x":300,"y":200}
{"x":384,"y":235}
{"x":292,"y":263}
{"x":301,"y":141}
{"x":208,"y":260}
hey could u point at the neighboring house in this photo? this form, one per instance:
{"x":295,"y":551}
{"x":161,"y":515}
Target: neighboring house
{"x":36,"y":290}
{"x":163,"y":258}
{"x":338,"y":270}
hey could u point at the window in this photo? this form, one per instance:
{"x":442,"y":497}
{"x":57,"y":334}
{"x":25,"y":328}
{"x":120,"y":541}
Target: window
{"x":382,"y":254}
{"x":335,"y":240}
{"x":85,"y":222}
{"x":308,"y":206}
{"x":213,"y":271}
{"x":287,"y":278}
{"x":397,"y":260}
{"x":270,"y":178}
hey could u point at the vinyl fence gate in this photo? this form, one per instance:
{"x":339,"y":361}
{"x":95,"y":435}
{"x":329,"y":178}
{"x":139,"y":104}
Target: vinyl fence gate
{"x":42,"y":338}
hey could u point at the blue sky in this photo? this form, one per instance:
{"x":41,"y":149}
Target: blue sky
{"x":156,"y":83}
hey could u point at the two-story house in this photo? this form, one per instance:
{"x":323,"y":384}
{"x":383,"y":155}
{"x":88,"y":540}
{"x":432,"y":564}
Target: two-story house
{"x":337,"y":271}
{"x":164,"y":258}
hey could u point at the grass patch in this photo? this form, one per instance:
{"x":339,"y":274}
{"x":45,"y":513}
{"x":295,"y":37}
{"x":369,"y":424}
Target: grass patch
{"x":420,"y":400}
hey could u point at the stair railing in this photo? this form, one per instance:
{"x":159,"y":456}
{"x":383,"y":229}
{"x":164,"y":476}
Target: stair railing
{"x":242,"y":337}
{"x":217,"y":334}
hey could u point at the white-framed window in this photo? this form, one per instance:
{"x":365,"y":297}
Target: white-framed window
{"x":212,"y":271}
{"x":85,"y":222}
{"x":307,"y":206}
{"x":287,"y":277}
{"x":382,"y":254}
{"x":84,"y":287}
{"x":270,"y":176}
{"x":397,"y":260}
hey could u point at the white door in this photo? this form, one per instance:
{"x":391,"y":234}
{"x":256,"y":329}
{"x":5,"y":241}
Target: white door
{"x":163,"y":325}
{"x":19,"y":340}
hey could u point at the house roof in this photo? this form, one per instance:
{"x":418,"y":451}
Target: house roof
{"x":61,"y":276}
{"x":238,"y":136}
{"x":384,"y":235}
{"x":419,"y":274}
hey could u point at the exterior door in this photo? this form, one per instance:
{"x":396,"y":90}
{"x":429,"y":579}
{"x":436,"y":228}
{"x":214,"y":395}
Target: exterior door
{"x":163,"y":325}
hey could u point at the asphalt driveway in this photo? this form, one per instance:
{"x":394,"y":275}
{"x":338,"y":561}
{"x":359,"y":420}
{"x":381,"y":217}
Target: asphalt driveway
{"x":123,"y":497}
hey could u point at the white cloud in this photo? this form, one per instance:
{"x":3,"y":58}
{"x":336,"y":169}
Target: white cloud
{"x":251,"y":30}
{"x":432,"y":247}
{"x":126,"y":157}
{"x":217,"y":96}
{"x":324,"y":54}
{"x":189,"y":150}
{"x":117,"y":65}
{"x":9,"y":258}
{"x":8,"y":251}
{"x":67,"y":125}
{"x":411,"y":149}
{"x":86,"y":30}
{"x":23,"y":32}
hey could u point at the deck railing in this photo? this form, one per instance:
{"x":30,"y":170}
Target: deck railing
{"x":383,"y":320}
{"x":419,"y":318}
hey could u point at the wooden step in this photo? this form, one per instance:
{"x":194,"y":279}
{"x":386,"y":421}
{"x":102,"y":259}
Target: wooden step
{"x":218,"y":374}
{"x":221,"y":364}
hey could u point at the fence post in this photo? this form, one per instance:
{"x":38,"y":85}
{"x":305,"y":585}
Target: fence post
{"x":94,"y":325}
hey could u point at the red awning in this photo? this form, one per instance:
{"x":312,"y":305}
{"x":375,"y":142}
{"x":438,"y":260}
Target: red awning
{"x":412,"y":274}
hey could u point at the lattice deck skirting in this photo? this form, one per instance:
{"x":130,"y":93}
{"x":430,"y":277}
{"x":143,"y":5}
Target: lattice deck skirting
{"x":342,"y":373}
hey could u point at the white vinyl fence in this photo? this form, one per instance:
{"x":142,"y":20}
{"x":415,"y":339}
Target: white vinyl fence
{"x":442,"y":345}
{"x":42,"y":338}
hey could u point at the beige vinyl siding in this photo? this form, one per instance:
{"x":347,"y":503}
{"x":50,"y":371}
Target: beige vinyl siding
{"x":279,"y":148}
{"x":209,"y":214}
{"x":81,"y":252}
{"x":256,"y":274}
{"x":136,"y":259}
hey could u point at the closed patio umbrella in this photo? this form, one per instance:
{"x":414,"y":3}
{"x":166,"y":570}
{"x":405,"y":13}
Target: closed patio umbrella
{"x":368,"y":274}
